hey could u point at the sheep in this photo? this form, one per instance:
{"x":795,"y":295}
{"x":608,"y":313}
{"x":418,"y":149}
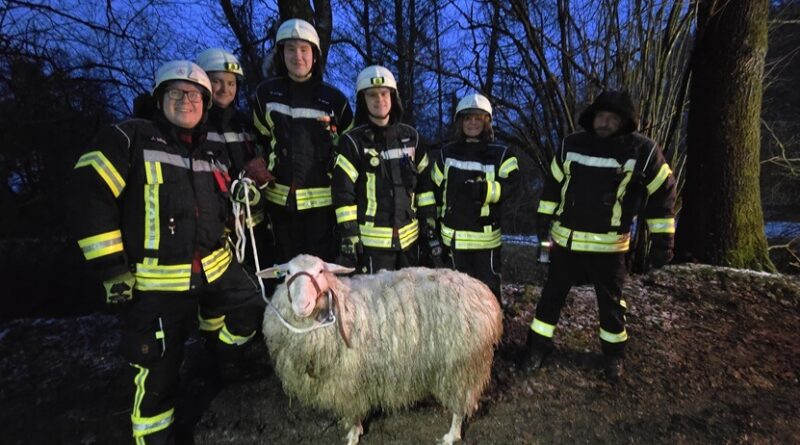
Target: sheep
{"x":401,"y":336}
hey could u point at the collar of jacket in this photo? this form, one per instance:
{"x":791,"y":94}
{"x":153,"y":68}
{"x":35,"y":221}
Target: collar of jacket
{"x":198,"y":133}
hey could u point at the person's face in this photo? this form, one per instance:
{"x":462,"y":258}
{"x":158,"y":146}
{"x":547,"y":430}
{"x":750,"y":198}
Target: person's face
{"x":606,"y":123}
{"x":223,"y":88}
{"x":474,"y":123}
{"x":299,"y":58}
{"x":187,"y":110}
{"x":379,"y":102}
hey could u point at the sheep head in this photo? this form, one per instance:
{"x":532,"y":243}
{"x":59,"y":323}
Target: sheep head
{"x":308,"y":278}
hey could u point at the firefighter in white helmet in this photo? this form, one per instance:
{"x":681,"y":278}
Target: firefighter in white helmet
{"x":380,"y":189}
{"x":301,"y":118}
{"x":149,"y":205}
{"x":472,"y":176}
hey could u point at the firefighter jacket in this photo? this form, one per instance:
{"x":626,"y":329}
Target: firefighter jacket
{"x":235,"y":135}
{"x":380,"y":180}
{"x":146,"y":202}
{"x":228,"y":127}
{"x":597,"y":185}
{"x":470,"y":180}
{"x":301,"y":122}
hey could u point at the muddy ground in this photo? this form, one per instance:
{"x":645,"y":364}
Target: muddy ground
{"x":714,"y":358}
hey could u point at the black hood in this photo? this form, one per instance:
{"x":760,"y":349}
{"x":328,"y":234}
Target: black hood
{"x":618,"y":102}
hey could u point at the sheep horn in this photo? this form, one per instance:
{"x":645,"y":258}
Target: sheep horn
{"x":339,"y":322}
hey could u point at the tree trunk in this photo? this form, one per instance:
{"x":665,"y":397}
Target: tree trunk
{"x":722,"y":222}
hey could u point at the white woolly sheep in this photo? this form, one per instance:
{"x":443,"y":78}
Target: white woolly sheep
{"x":400,"y":337}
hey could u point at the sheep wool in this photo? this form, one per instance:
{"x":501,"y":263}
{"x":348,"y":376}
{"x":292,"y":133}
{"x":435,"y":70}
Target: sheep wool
{"x":413,"y":333}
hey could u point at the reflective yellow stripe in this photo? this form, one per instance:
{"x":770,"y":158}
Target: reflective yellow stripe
{"x":613,"y":338}
{"x":542,"y":328}
{"x":566,"y":177}
{"x":152,"y":223}
{"x":226,"y":337}
{"x":547,"y":207}
{"x":466,"y":240}
{"x":105,"y":169}
{"x":307,"y":198}
{"x":426,"y":199}
{"x":143,"y":426}
{"x":555,"y":170}
{"x":372,"y":204}
{"x":259,"y":126}
{"x":661,"y":225}
{"x":346,"y":166}
{"x":437,"y":175}
{"x":215,"y":264}
{"x":277,"y":193}
{"x":507,"y":167}
{"x":590,"y":242}
{"x":101,"y":245}
{"x":346,"y":213}
{"x":381,"y":237}
{"x":493,"y":190}
{"x":616,"y":211}
{"x":311,"y":198}
{"x":210,"y":324}
{"x":177,"y":277}
{"x":662,"y":175}
{"x":423,"y":163}
{"x":172,"y":277}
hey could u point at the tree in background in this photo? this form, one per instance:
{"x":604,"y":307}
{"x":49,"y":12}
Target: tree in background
{"x":722,"y":221}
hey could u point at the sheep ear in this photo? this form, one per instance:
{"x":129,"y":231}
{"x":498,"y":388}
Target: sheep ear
{"x":276,"y":271}
{"x":337,"y":269}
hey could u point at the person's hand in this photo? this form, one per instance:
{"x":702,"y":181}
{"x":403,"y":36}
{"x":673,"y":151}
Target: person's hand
{"x":660,"y":257}
{"x":119,"y":290}
{"x":256,"y":169}
{"x":350,"y":250}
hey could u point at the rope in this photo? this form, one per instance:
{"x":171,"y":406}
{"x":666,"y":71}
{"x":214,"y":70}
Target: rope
{"x":239,"y":248}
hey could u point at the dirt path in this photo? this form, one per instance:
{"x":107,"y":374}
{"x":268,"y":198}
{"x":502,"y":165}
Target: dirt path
{"x":714,"y":358}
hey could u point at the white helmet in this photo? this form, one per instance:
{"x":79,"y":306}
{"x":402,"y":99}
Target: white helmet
{"x":375,"y":76}
{"x":217,"y":59}
{"x":298,"y":29}
{"x":474,"y":101}
{"x":183,"y":70}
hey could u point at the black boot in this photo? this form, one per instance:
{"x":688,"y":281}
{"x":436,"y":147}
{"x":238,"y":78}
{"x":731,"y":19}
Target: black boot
{"x":614,"y":369}
{"x":536,"y":350}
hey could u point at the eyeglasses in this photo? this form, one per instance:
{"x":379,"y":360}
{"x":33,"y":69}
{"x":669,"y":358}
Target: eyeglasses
{"x":193,"y":96}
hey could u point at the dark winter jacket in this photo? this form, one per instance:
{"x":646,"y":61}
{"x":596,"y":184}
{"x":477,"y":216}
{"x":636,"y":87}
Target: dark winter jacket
{"x":470,"y":181}
{"x":143,"y":200}
{"x":235,"y":132}
{"x":301,"y":122}
{"x":380,"y":180}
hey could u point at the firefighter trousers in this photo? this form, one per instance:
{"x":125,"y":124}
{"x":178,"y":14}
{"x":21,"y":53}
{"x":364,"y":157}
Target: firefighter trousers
{"x":606,"y":271}
{"x":155,"y":329}
{"x":484,"y":265}
{"x":309,"y":231}
{"x":373,"y":259}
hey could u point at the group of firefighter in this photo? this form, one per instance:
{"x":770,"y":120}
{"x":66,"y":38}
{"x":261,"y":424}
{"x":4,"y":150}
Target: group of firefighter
{"x":151,"y":205}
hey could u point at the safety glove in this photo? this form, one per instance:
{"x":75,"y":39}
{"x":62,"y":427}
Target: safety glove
{"x":246,"y":191}
{"x":350,"y":251}
{"x":256,"y":169}
{"x":119,"y":290}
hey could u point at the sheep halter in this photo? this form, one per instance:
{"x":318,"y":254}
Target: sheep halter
{"x":239,"y":248}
